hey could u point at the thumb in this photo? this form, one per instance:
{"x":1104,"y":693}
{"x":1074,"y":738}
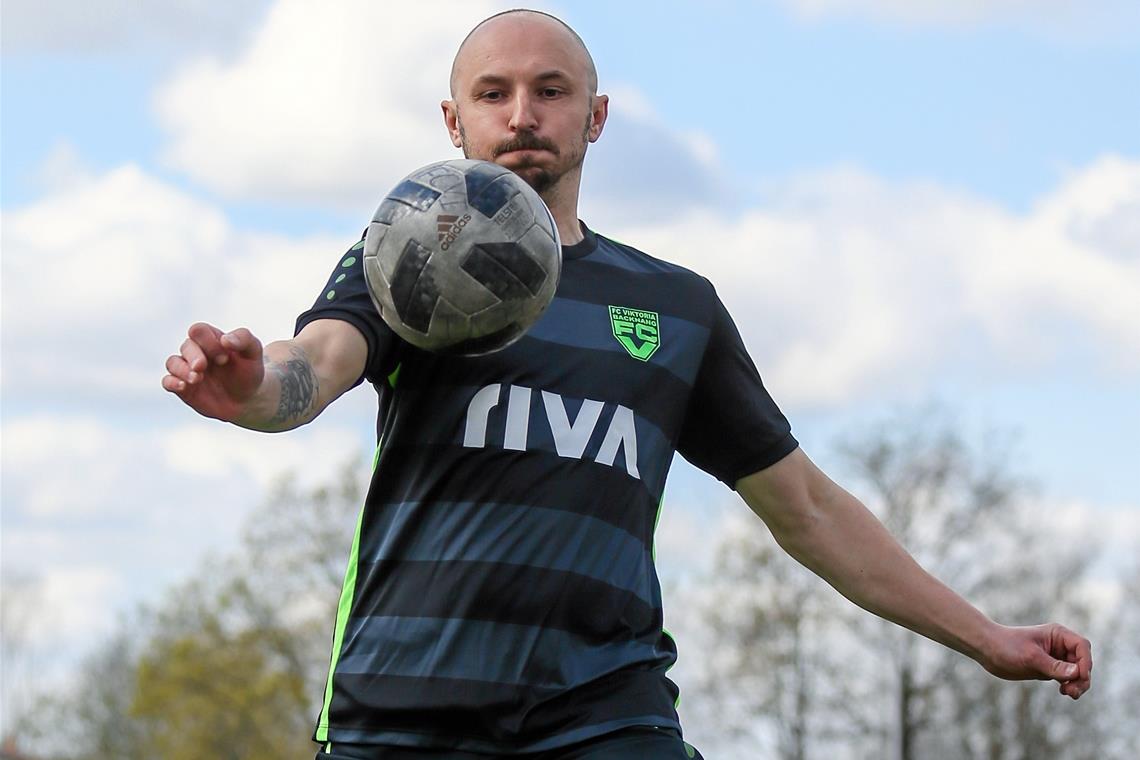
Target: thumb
{"x":1058,"y":670}
{"x":243,"y":342}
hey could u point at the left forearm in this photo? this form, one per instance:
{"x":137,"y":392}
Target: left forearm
{"x":832,"y":533}
{"x":829,"y":531}
{"x":850,"y":549}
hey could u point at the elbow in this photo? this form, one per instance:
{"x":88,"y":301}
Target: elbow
{"x":797,"y":530}
{"x":793,"y":499}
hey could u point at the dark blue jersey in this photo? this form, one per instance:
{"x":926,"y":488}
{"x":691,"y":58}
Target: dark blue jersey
{"x":501,"y":595}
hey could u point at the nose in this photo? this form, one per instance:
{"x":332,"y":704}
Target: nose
{"x":523,"y":116}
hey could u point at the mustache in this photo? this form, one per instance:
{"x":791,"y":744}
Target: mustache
{"x":525,"y":141}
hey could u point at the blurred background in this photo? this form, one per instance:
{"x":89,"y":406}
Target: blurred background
{"x":924,"y":217}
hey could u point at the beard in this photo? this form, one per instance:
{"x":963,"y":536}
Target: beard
{"x":540,"y":177}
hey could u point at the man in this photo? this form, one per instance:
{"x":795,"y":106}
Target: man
{"x":501,"y":598}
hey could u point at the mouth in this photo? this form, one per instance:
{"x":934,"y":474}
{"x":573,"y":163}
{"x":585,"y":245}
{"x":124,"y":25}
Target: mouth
{"x":523,"y":152}
{"x":523,"y":159}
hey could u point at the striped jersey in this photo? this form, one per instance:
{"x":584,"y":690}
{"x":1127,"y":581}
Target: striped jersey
{"x":501,"y":594}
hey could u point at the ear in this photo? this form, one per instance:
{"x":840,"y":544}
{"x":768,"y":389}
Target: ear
{"x":451,"y":121}
{"x":599,"y":112}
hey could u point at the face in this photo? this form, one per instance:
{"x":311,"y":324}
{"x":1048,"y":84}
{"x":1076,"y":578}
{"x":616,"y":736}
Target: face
{"x":523,"y":99}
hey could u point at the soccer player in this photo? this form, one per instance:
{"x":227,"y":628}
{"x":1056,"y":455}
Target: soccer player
{"x":501,"y":598}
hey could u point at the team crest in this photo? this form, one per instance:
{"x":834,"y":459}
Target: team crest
{"x":639,"y":332}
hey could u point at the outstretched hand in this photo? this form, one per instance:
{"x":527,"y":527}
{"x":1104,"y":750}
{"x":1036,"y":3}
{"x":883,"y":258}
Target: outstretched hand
{"x":1043,"y":652}
{"x":216,"y":373}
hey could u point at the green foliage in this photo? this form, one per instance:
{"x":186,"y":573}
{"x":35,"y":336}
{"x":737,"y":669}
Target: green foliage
{"x":215,"y":693}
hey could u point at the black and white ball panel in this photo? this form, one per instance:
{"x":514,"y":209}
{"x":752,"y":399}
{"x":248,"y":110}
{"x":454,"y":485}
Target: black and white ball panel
{"x":462,"y":256}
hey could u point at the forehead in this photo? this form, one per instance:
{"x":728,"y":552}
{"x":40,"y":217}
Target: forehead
{"x":520,"y":46}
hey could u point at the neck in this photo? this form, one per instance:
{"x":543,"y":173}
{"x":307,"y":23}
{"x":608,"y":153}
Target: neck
{"x":569,"y":229}
{"x":562,"y":200}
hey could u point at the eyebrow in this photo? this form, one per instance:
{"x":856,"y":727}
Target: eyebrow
{"x":496,"y":79}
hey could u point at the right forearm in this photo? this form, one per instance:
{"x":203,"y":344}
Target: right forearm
{"x":289,"y":395}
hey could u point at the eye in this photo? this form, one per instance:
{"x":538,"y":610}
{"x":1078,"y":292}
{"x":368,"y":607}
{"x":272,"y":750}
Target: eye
{"x":551,"y":92}
{"x":491,"y":95}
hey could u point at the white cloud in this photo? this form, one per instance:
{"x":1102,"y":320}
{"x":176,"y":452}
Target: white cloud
{"x":106,"y":476}
{"x":1097,"y":19}
{"x":109,"y":509}
{"x":643,"y":169}
{"x":332,"y":107}
{"x":117,"y":26}
{"x":103,"y":275}
{"x":49,"y":616}
{"x":845,"y":285}
{"x":1099,"y":206}
{"x":329,"y":105}
{"x":220,"y":453}
{"x":1114,"y":528}
{"x":76,"y":599}
{"x":116,"y":472}
{"x":85,"y":485}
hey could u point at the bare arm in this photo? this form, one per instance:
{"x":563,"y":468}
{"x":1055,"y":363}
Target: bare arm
{"x":831,"y":533}
{"x":228,"y":376}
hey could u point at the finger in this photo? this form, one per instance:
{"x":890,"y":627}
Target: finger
{"x":194,"y":355}
{"x":1074,"y":648}
{"x":1083,"y":652}
{"x":1074,"y":689}
{"x":208,"y":337}
{"x":243,"y":342}
{"x":173,"y":384}
{"x":1057,"y":670}
{"x":180,"y":369}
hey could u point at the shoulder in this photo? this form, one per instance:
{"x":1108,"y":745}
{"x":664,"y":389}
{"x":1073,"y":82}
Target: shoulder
{"x":624,"y":256}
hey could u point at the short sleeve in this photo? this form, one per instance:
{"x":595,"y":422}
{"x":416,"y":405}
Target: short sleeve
{"x":732,"y":427}
{"x":345,"y":297}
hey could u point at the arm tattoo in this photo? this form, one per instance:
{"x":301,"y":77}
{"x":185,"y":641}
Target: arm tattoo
{"x":298,"y":386}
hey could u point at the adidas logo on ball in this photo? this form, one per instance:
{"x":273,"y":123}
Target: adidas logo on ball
{"x":449,"y":227}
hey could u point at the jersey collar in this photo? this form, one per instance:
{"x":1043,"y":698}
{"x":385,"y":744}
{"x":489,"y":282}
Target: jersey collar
{"x":584,"y":247}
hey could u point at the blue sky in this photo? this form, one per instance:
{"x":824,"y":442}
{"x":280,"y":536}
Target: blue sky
{"x":900,"y":207}
{"x":1000,"y":109}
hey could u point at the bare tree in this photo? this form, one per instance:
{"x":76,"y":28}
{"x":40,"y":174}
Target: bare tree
{"x":18,"y":605}
{"x":952,"y":508}
{"x":843,"y":683}
{"x":765,"y":617}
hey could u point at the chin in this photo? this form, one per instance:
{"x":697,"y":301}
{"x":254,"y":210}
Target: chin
{"x":541,"y":182}
{"x":538,"y":178}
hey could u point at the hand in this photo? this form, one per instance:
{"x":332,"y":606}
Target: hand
{"x":1045,"y":652}
{"x":217,"y":374}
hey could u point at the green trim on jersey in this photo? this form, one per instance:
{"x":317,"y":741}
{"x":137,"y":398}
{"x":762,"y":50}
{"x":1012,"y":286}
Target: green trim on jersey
{"x":344,"y":607}
{"x":392,"y":378}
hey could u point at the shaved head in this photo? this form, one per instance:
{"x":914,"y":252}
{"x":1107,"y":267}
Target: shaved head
{"x":591,"y":71}
{"x":524,"y":95}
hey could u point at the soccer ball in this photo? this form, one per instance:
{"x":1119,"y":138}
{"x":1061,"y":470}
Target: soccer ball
{"x":462,"y":257}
